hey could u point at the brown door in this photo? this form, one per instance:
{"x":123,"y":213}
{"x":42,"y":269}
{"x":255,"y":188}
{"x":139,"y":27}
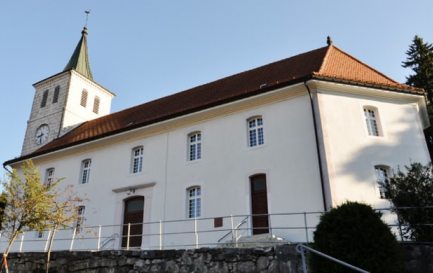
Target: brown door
{"x":133,"y":215}
{"x":259,"y":204}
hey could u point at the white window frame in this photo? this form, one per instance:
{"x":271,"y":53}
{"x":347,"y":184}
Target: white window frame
{"x":49,"y":176}
{"x":194,"y":202}
{"x":256,"y":131}
{"x":372,"y":121}
{"x":382,"y":174}
{"x":195,"y":146}
{"x":137,"y":159}
{"x":85,"y":171}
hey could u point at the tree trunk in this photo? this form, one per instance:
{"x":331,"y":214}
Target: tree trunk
{"x":6,"y":253}
{"x":50,"y":245}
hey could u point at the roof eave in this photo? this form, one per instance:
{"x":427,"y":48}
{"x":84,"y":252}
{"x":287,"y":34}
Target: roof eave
{"x":266,"y":89}
{"x":412,"y":90}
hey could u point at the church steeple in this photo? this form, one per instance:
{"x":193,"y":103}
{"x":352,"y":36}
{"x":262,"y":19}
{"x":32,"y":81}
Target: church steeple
{"x":80,"y":59}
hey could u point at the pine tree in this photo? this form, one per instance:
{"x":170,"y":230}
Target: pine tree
{"x":420,"y":60}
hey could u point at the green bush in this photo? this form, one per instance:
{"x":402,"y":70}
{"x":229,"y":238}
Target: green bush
{"x":354,"y":233}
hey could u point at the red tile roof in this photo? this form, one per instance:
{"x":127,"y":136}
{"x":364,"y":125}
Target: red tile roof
{"x":327,"y":63}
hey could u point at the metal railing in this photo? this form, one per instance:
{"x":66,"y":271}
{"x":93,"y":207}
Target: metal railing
{"x":295,"y":227}
{"x":300,"y":248}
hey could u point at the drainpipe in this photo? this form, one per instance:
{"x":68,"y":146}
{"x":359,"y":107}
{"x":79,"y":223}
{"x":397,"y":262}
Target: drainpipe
{"x":319,"y":155}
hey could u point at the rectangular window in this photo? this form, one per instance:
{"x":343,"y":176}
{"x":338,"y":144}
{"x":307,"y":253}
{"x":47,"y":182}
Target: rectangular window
{"x":44,"y":98}
{"x":80,"y":219}
{"x":83,"y":101}
{"x":49,"y":176}
{"x":371,"y":121}
{"x":382,"y":176}
{"x":56,"y":94}
{"x":85,"y":171}
{"x":137,"y":160}
{"x":96,"y":105}
{"x":255,"y":132}
{"x":194,"y":144}
{"x":194,"y":202}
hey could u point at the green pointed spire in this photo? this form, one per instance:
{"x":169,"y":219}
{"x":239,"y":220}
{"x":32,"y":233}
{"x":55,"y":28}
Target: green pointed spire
{"x":80,"y":59}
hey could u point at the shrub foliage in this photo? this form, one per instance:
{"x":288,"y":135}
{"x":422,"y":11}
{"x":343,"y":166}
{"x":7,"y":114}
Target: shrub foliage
{"x":354,"y":233}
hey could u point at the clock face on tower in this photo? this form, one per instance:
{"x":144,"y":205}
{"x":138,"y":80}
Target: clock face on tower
{"x":42,"y":134}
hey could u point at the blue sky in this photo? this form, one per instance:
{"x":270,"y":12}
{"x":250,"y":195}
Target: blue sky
{"x":142,"y":50}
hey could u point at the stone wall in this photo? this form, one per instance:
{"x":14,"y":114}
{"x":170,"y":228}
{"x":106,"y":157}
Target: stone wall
{"x":281,"y":259}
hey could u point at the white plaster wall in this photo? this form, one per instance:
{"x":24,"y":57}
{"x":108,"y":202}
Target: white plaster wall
{"x":351,"y":153}
{"x":74,"y":112}
{"x":288,"y":159}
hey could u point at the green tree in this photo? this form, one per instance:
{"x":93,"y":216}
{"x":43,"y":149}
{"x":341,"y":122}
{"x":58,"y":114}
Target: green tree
{"x":28,"y":205}
{"x":411,"y":193}
{"x":354,"y":233}
{"x":63,"y":213}
{"x":33,"y":205}
{"x":420,"y":60}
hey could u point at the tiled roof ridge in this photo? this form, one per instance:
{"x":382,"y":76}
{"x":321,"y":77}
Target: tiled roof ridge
{"x":332,"y":46}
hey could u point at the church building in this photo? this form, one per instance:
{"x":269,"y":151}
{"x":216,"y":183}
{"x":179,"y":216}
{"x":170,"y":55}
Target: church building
{"x":302,"y":134}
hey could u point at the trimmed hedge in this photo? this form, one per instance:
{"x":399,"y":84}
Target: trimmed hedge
{"x":354,"y":233}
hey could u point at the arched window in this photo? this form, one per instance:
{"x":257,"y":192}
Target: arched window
{"x":372,"y":120}
{"x":56,"y":94}
{"x":44,"y":98}
{"x":84,"y":96}
{"x":96,"y":102}
{"x":137,"y":159}
{"x":194,"y":146}
{"x":85,"y":171}
{"x":194,"y":202}
{"x":382,"y":175}
{"x":255,"y":131}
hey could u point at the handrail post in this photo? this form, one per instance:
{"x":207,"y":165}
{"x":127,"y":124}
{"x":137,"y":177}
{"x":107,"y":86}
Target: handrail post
{"x":399,"y":226}
{"x":195,"y":232}
{"x":306,"y":227}
{"x":160,"y":234}
{"x":304,"y":263}
{"x":233,"y":227}
{"x":270,"y":224}
{"x":22,"y":241}
{"x":48,"y":239}
{"x":99,"y":237}
{"x":127,"y":238}
{"x":74,"y":231}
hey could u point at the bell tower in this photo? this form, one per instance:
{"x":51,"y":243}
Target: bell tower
{"x":65,"y":100}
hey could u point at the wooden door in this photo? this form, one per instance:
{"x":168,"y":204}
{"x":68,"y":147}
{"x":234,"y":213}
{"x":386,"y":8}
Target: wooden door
{"x":259,"y":204}
{"x":133,"y":214}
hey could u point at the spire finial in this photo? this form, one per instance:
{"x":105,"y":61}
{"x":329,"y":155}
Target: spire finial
{"x":329,"y":40}
{"x":87,"y":12}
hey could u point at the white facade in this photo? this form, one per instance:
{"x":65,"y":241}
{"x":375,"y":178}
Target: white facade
{"x":288,"y":158}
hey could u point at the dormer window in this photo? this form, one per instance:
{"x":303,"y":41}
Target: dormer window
{"x":84,"y":95}
{"x":44,"y":98}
